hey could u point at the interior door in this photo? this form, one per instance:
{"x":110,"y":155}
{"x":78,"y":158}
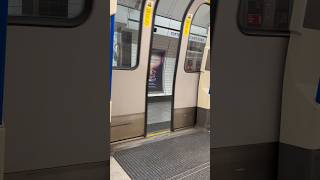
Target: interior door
{"x":192,"y":44}
{"x":3,"y":28}
{"x":300,"y":135}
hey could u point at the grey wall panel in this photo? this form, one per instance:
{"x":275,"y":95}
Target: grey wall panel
{"x":127,"y":126}
{"x":184,"y":117}
{"x":56,"y":96}
{"x":299,"y":137}
{"x":248,"y":162}
{"x":246,"y":82}
{"x":312,"y":14}
{"x":94,"y":171}
{"x":203,"y":118}
{"x":296,"y":163}
{"x":300,"y":111}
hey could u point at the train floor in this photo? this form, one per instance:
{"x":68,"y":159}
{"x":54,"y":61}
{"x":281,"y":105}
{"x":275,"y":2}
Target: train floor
{"x":159,"y":116}
{"x":181,"y":155}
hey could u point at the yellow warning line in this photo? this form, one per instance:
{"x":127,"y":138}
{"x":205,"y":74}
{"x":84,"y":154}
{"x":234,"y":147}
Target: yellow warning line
{"x":157,"y":133}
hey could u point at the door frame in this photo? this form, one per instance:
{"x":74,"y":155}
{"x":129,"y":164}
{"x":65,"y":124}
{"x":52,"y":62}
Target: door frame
{"x":148,"y":69}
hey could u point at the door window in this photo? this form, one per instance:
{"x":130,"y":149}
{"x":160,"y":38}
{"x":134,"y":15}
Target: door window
{"x":265,"y":17}
{"x":127,"y":34}
{"x":197,"y":39}
{"x":48,"y":12}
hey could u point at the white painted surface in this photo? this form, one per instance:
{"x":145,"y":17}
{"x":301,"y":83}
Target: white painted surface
{"x":129,"y":86}
{"x":113,"y":7}
{"x":186,"y":87}
{"x":168,"y":75}
{"x":116,"y":171}
{"x":204,"y":82}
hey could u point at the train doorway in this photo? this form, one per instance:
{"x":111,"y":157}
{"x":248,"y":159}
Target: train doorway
{"x":162,"y":153}
{"x":159,"y":98}
{"x":162,"y":64}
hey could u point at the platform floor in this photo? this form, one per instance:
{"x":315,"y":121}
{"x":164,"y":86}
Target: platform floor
{"x":159,"y":116}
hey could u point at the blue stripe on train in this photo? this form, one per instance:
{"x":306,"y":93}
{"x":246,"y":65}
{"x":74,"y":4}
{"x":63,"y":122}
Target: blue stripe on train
{"x":3,"y":29}
{"x":111,"y":47}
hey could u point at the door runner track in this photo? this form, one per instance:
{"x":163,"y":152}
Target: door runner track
{"x":185,"y":157}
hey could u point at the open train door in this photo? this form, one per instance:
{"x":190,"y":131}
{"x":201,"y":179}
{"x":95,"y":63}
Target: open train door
{"x":3,"y":28}
{"x":192,"y":44}
{"x":300,"y":125}
{"x":133,"y":28}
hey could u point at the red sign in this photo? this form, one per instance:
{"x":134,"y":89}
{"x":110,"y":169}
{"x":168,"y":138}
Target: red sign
{"x":254,"y":19}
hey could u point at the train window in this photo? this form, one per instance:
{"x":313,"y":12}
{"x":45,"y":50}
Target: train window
{"x":311,"y":18}
{"x":127,"y":33}
{"x":197,"y":39}
{"x":48,"y":12}
{"x":265,"y":17}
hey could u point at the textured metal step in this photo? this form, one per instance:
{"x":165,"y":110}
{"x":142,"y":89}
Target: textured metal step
{"x":185,"y":157}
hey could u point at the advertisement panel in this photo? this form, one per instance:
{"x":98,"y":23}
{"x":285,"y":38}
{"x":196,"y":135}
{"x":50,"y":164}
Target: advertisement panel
{"x":156,"y":71}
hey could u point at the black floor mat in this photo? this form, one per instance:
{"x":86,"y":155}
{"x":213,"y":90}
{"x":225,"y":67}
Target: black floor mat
{"x":186,"y":157}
